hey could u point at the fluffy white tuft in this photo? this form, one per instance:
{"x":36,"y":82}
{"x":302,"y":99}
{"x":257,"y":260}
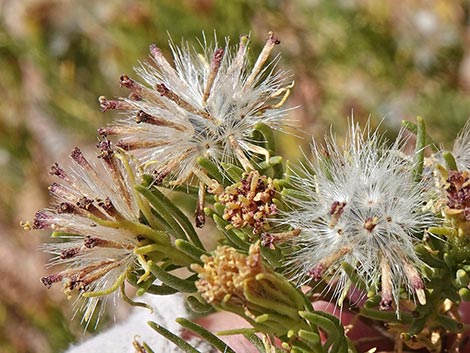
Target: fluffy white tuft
{"x":364,"y":208}
{"x":206,"y":104}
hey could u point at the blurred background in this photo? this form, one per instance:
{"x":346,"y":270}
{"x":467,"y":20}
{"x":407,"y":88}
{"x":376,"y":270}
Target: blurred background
{"x":390,"y":60}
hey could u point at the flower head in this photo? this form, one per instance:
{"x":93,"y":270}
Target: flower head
{"x":225,"y":275}
{"x":93,"y":210}
{"x":243,"y":284}
{"x":249,"y":202}
{"x":206,"y":105}
{"x":453,"y":182}
{"x":362,"y":207}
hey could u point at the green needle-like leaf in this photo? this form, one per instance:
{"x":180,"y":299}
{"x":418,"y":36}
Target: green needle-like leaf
{"x":211,"y":169}
{"x":233,"y":172}
{"x":413,"y":128}
{"x":420,"y":146}
{"x":450,"y":160}
{"x":212,"y":339}
{"x":181,"y":285}
{"x":197,"y":306}
{"x":171,"y":214}
{"x":194,"y":252}
{"x":180,"y":343}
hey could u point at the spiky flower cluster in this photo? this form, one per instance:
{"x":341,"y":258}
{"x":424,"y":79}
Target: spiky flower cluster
{"x":207,"y":105}
{"x":94,"y":207}
{"x":362,"y":207}
{"x":243,"y":284}
{"x":225,"y":275}
{"x":249,"y":202}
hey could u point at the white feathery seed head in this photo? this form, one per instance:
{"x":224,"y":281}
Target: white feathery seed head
{"x":204,"y":105}
{"x":461,"y":149}
{"x":91,"y":205}
{"x":362,"y":207}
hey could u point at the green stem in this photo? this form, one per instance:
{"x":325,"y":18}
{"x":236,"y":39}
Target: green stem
{"x":131,"y":302}
{"x":107,"y":291}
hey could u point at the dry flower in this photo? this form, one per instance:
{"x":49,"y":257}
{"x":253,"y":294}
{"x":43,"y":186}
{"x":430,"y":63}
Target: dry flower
{"x":364,"y":208}
{"x":96,"y":210}
{"x":206,"y":105}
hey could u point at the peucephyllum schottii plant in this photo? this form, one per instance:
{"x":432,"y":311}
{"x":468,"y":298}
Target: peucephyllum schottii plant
{"x":369,"y":227}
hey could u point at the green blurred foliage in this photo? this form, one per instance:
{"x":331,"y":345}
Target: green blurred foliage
{"x":388,"y":59}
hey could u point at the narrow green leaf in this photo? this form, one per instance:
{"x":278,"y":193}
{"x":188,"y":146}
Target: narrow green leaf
{"x":311,"y":337}
{"x":212,"y":339}
{"x":303,"y":347}
{"x":278,"y":167}
{"x":419,"y":149}
{"x":181,"y":285}
{"x":237,"y":331}
{"x":233,"y":172}
{"x":285,"y":287}
{"x":429,"y":258}
{"x":413,"y":128}
{"x":450,"y":160}
{"x":268,"y":135}
{"x":180,"y":343}
{"x":194,"y":252}
{"x":272,"y":256}
{"x":161,"y":207}
{"x":230,"y":234}
{"x":446,"y":231}
{"x":332,"y":327}
{"x":197,"y":306}
{"x":294,"y":194}
{"x":219,"y":208}
{"x":353,"y":276}
{"x":160,"y":290}
{"x":450,"y":324}
{"x":257,"y":342}
{"x":211,"y":169}
{"x":373,"y":302}
{"x":387,"y":316}
{"x":172,"y":215}
{"x":417,"y":325}
{"x":132,"y":302}
{"x":142,"y":287}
